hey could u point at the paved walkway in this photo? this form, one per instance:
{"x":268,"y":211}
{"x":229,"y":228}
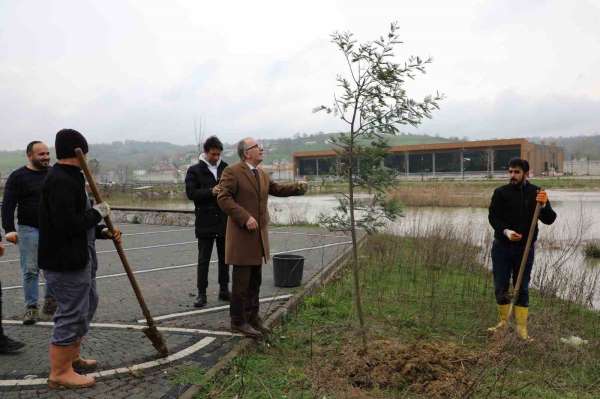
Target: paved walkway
{"x":164,"y":259}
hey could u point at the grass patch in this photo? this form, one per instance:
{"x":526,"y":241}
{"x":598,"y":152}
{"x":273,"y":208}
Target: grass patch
{"x":428,"y":303}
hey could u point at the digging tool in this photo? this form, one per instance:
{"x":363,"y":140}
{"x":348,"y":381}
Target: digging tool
{"x":151,"y":332}
{"x":517,"y":287}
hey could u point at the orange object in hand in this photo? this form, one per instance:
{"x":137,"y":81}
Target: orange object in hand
{"x":542,"y":197}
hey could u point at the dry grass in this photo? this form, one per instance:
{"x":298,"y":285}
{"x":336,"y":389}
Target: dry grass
{"x":444,"y":194}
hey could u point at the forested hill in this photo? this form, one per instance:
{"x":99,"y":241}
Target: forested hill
{"x":143,"y":155}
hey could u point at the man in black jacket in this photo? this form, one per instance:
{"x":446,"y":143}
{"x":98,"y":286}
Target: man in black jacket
{"x":69,"y":226}
{"x":7,"y":345}
{"x":201,"y":186}
{"x":22,"y":193}
{"x":510,"y":214}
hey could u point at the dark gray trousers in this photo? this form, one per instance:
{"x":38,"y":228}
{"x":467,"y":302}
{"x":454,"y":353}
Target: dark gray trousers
{"x":77,"y":301}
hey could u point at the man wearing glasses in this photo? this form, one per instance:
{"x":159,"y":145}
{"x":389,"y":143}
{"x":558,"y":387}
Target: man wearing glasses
{"x":243,"y":196}
{"x":510,"y":214}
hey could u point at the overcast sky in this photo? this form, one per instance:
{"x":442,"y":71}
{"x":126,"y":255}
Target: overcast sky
{"x":145,"y":70}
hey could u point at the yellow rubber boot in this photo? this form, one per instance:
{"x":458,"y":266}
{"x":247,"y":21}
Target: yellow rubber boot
{"x":502,"y":316}
{"x":521,"y":314}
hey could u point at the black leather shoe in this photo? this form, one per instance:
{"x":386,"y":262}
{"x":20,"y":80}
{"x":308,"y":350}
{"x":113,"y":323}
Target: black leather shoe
{"x":224,"y":294}
{"x":8,"y":345}
{"x":247,"y":330}
{"x":200,"y":301}
{"x":258,"y":325}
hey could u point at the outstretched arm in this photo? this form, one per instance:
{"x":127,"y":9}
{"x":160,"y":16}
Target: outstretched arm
{"x":286,"y":190}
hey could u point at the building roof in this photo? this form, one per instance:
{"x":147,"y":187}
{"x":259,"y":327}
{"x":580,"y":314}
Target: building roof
{"x":427,"y":147}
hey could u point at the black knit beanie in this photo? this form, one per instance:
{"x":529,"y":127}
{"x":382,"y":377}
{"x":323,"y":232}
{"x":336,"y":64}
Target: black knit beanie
{"x":66,"y":141}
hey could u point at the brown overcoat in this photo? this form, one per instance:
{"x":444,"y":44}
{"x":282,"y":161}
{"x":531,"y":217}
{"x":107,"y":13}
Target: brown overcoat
{"x":240,"y":198}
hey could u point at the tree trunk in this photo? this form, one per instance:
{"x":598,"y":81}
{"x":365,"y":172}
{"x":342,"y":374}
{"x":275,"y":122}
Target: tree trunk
{"x":356,"y":278}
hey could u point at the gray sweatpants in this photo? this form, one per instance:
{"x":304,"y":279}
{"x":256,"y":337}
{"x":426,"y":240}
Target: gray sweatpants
{"x":76,"y":298}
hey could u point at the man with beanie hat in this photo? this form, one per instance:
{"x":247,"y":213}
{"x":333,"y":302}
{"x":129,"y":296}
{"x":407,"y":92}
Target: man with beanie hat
{"x":68,"y":227}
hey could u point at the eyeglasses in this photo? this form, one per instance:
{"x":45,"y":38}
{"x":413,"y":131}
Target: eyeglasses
{"x":259,"y":146}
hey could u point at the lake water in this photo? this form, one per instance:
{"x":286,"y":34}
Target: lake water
{"x":559,"y":252}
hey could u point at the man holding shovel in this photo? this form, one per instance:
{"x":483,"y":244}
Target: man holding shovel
{"x":69,"y":226}
{"x":511,"y":214}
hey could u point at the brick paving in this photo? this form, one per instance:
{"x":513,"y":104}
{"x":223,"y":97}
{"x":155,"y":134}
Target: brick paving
{"x":167,"y":291}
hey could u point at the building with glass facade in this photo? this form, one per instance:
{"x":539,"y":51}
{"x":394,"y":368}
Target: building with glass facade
{"x":465,"y":158}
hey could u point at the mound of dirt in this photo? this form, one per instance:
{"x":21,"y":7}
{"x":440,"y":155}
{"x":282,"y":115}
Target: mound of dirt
{"x":437,"y":370}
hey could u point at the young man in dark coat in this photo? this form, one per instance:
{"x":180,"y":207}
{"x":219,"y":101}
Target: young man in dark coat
{"x":510,"y":214}
{"x":69,"y":226}
{"x":7,"y":345}
{"x":201,"y":186}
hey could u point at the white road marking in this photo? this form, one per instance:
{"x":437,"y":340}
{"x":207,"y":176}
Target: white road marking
{"x":136,"y":327}
{"x":158,"y":269}
{"x":155,"y":232}
{"x":123,"y":370}
{"x":128,"y":249}
{"x":211,"y":310}
{"x":293,"y":233}
{"x":149,"y":247}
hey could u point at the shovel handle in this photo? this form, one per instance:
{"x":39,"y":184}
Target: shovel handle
{"x":118,"y":246}
{"x":517,"y":289}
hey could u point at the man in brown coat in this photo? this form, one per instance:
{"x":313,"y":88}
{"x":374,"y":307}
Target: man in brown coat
{"x":243,"y":196}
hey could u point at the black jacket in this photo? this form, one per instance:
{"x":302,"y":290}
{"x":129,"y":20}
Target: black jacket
{"x":22,"y":192}
{"x":512,"y":208}
{"x":64,"y":220}
{"x":211,"y":221}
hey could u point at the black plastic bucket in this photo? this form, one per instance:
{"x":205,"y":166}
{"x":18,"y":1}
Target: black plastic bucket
{"x":287,"y":270}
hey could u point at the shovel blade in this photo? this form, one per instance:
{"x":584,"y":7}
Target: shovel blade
{"x":158,"y":342}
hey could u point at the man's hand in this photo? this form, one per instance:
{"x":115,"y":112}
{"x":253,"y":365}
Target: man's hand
{"x":116,"y":237}
{"x":252,"y":224}
{"x":542,"y":197}
{"x":512,"y":235}
{"x":1,"y":249}
{"x":302,"y":187}
{"x":103,"y":209}
{"x":216,"y":190}
{"x":13,"y":237}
